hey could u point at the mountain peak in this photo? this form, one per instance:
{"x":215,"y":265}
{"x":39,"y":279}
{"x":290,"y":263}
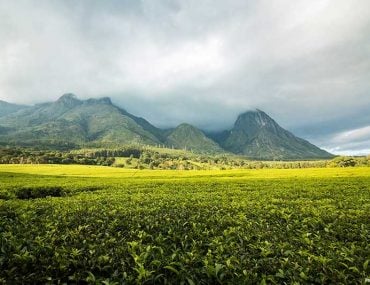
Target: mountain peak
{"x":253,"y":112}
{"x":256,"y":118}
{"x":188,"y":129}
{"x":69,"y":100}
{"x":256,"y":135}
{"x":103,"y":100}
{"x":189,"y":137}
{"x":185,"y":126}
{"x":67,"y":96}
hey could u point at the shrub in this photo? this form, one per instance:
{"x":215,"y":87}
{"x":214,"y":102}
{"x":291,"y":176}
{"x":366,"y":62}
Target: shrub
{"x":39,"y":192}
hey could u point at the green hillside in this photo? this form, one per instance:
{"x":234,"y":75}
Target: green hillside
{"x":188,"y":137}
{"x":89,"y":122}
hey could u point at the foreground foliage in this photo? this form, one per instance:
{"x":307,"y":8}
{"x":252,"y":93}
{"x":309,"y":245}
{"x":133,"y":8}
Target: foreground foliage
{"x":194,"y":227}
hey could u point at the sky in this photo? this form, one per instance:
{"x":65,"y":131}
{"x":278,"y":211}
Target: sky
{"x":304,"y":62}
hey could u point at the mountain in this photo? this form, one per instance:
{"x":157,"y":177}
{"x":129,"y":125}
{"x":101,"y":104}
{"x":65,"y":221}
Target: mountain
{"x":100,"y":123}
{"x":258,"y":136}
{"x":92,"y":122}
{"x":8,"y":108}
{"x":186,"y":136}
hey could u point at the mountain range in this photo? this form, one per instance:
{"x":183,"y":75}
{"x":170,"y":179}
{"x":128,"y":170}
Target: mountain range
{"x":100,"y":123}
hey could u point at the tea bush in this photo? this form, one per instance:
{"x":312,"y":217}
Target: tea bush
{"x":39,"y":192}
{"x":200,"y":228}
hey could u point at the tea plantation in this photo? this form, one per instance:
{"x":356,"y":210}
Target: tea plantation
{"x":101,"y":225}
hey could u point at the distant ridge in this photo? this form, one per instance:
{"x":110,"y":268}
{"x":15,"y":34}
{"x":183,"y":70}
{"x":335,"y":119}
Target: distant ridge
{"x":100,"y":123}
{"x":8,"y":108}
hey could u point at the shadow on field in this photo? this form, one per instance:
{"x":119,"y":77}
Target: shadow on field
{"x":26,"y":193}
{"x":36,"y":192}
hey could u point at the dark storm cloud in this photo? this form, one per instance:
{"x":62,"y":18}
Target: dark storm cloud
{"x":306,"y":63}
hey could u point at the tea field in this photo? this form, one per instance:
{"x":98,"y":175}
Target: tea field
{"x":102,"y":225}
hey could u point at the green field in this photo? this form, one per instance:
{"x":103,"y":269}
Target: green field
{"x":104,"y":225}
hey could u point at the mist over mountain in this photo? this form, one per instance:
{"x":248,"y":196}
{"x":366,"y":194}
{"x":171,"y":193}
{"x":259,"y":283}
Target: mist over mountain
{"x":100,"y":123}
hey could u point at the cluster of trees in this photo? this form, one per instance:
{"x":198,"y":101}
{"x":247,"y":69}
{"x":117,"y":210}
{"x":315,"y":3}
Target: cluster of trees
{"x":349,"y":161}
{"x":158,"y":161}
{"x":151,"y":158}
{"x":184,"y":162}
{"x":126,"y":151}
{"x":28,"y":156}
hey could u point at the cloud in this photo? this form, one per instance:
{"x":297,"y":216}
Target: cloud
{"x":304,"y":62}
{"x":349,"y":142}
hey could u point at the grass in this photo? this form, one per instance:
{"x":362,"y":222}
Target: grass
{"x":89,"y":224}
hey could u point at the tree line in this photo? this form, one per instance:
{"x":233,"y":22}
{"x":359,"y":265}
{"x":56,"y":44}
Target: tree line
{"x":150,"y":158}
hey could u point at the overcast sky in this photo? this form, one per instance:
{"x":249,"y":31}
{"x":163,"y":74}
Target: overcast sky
{"x":305,"y":63}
